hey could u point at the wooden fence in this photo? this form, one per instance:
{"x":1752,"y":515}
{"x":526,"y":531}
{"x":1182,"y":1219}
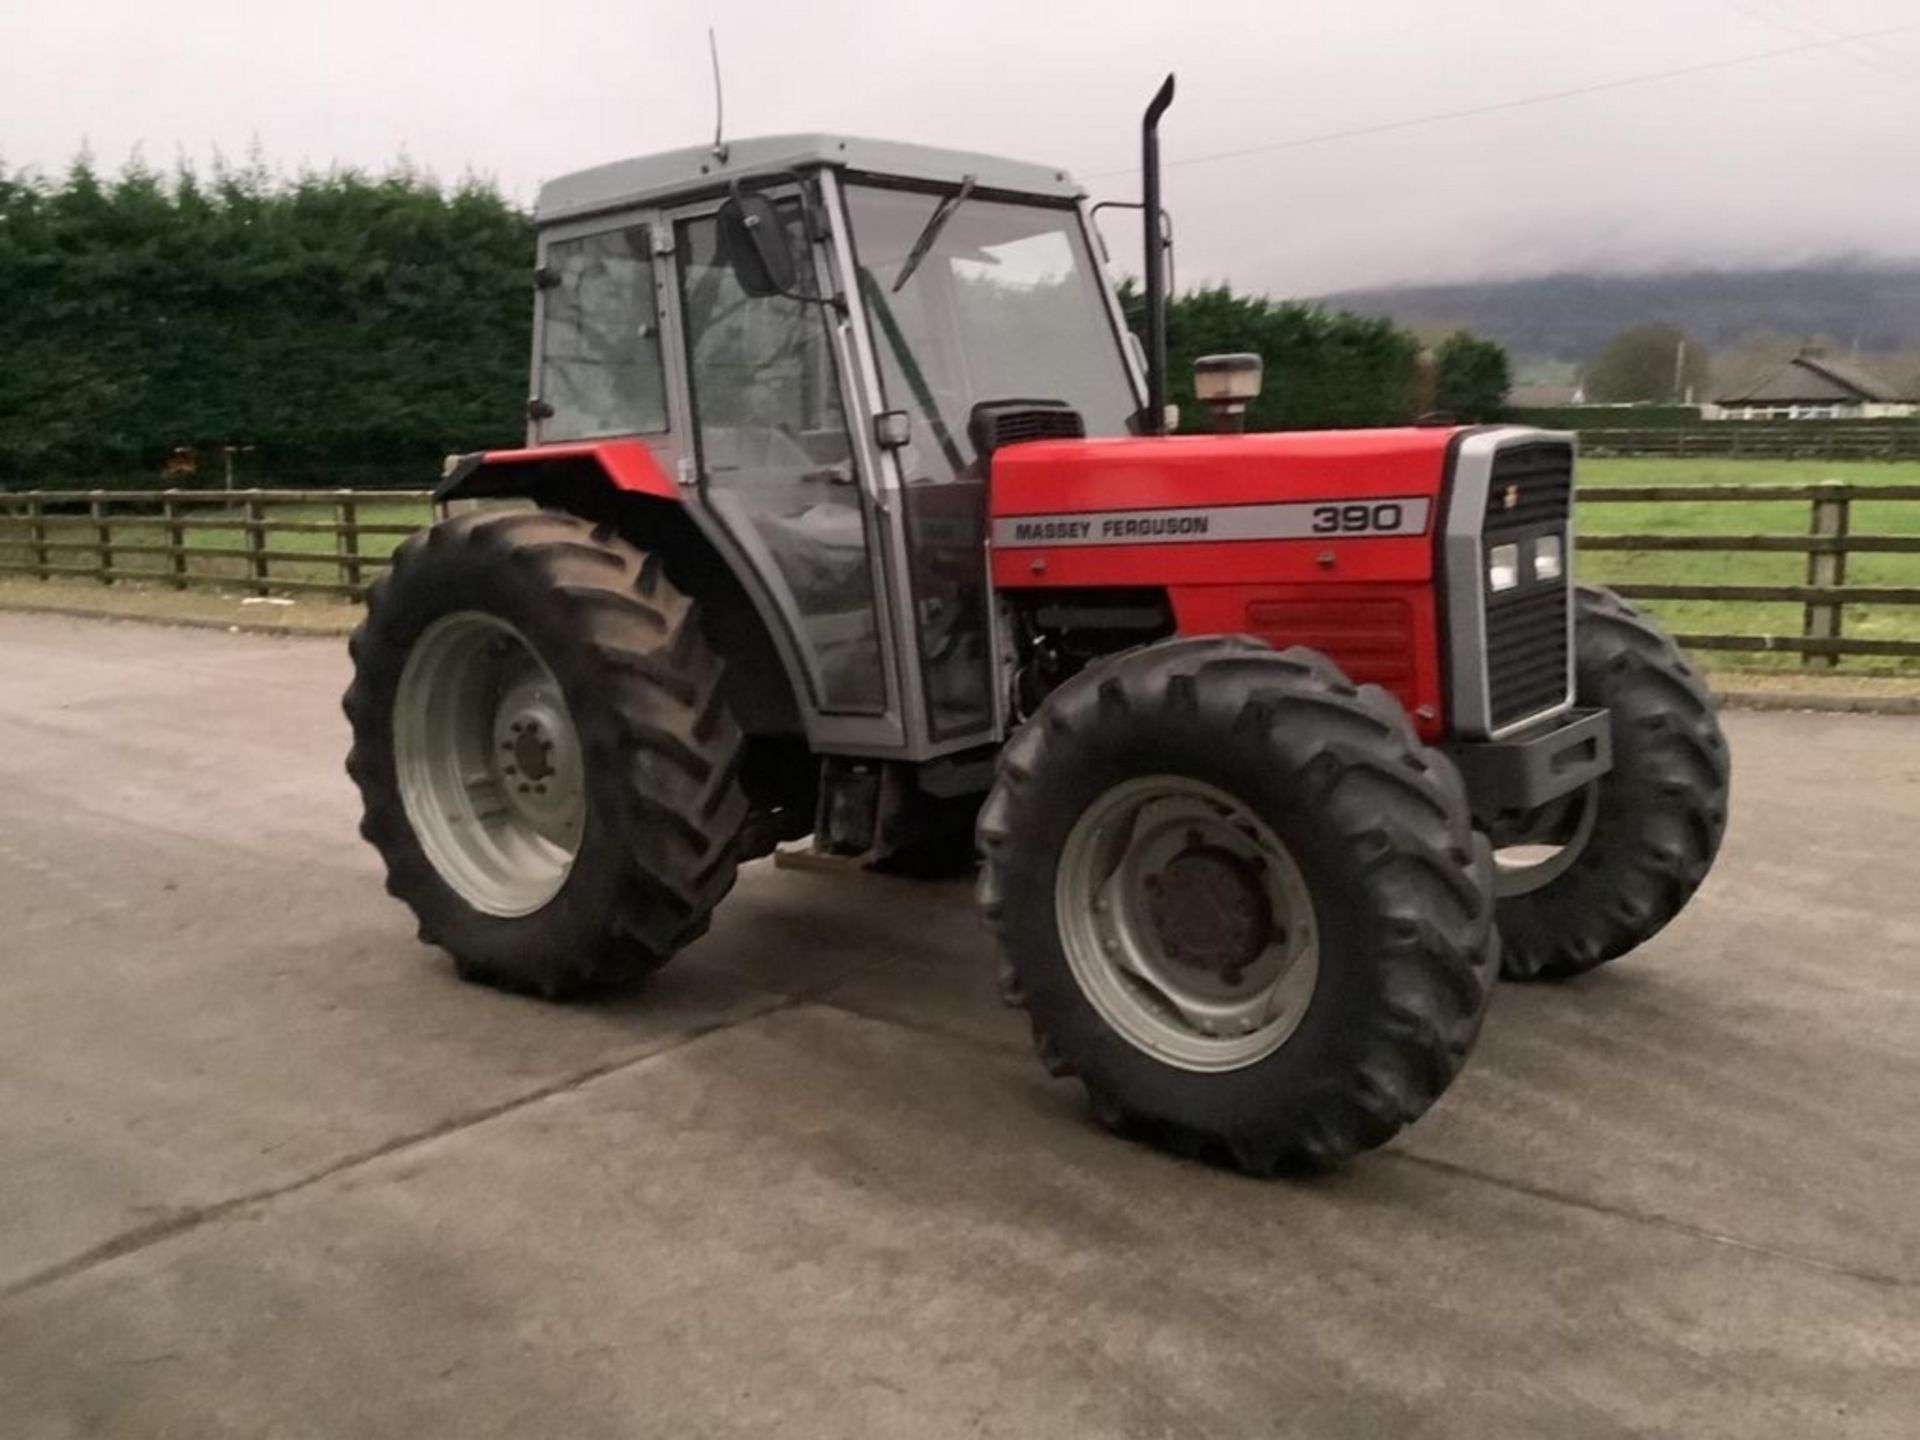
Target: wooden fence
{"x":1750,"y":439}
{"x":185,"y":538}
{"x":221,"y":538}
{"x":1829,"y":540}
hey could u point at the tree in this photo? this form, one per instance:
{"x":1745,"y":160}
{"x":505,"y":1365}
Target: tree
{"x":1647,"y":363}
{"x":1471,"y":377}
{"x":1322,"y":368}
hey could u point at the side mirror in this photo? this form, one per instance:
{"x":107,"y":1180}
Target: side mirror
{"x":754,"y":241}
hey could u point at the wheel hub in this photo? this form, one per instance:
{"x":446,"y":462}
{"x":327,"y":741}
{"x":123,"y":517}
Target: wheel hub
{"x":539,"y":758}
{"x":1209,"y":912}
{"x":531,"y":749}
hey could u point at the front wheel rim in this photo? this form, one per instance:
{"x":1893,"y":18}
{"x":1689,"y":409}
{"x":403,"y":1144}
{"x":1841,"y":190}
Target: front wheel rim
{"x":489,"y":764}
{"x":1187,"y":923}
{"x":1546,"y":845}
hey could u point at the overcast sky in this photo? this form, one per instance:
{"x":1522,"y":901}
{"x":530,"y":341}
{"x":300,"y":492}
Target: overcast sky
{"x":1807,"y":154}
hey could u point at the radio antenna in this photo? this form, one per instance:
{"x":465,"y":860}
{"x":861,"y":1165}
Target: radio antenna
{"x":719,"y":101}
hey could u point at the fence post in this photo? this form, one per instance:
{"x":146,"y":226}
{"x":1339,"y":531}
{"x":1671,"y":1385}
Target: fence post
{"x":256,"y":541}
{"x":1832,"y":515}
{"x":37,"y":534}
{"x":102,"y":537}
{"x":346,"y":514}
{"x":176,"y":534}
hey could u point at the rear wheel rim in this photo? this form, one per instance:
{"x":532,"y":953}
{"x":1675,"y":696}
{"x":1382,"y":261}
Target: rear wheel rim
{"x":1187,"y":923}
{"x":489,"y":764}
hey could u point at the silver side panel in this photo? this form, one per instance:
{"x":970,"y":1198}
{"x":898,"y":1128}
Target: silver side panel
{"x":1470,"y":705}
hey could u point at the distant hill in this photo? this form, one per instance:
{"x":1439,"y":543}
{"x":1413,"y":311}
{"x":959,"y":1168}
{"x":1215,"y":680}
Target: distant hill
{"x":1874,"y":307}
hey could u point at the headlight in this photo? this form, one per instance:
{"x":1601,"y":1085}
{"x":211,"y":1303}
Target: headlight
{"x":1503,"y":567}
{"x":1546,"y":558}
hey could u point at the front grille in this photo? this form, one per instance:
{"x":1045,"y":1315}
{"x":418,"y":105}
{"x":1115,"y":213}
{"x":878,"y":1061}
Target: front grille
{"x":1529,"y":495}
{"x":1532,"y":485}
{"x":1526,"y":653}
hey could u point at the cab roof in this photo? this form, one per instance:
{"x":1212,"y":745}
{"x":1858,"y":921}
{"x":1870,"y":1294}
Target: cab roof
{"x":688,"y":172}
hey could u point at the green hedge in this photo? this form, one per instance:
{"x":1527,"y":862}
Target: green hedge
{"x":340,"y":324}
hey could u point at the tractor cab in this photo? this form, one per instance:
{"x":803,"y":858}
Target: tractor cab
{"x":799,"y":334}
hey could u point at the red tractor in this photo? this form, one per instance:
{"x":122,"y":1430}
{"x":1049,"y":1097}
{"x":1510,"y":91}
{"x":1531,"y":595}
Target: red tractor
{"x":854,"y":516}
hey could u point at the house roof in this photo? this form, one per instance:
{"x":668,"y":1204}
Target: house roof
{"x":1543,"y":397}
{"x":676,"y":173}
{"x":1812,"y":378}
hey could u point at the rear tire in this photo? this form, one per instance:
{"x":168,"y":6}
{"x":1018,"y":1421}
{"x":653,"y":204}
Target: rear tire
{"x":1639,"y":840}
{"x":1303,"y":785}
{"x":643,"y":734}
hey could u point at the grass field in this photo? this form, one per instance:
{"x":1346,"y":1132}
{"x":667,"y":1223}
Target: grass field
{"x":1784,"y":517}
{"x":214,"y":530}
{"x":1789,"y":517}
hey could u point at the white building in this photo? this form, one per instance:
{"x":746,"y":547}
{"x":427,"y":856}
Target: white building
{"x":1814,"y":386}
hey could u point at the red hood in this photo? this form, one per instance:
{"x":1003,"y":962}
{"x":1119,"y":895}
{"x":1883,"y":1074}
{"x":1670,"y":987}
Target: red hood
{"x":1061,"y":476}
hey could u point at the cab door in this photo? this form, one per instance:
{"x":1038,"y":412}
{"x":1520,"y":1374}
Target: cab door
{"x":778,"y":471}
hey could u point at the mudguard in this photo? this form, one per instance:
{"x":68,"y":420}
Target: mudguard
{"x":550,"y":472}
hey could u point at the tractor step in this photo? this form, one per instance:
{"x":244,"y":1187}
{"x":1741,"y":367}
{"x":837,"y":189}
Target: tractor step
{"x":801,"y":855}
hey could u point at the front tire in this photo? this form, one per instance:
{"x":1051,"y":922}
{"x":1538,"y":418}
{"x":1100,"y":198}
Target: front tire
{"x":1240,"y":900}
{"x":544,"y":759}
{"x":1625,"y":855}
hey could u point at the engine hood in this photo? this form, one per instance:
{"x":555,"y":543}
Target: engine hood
{"x":1366,"y":501}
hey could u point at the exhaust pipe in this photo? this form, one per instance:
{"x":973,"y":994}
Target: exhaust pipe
{"x":1156,"y":277}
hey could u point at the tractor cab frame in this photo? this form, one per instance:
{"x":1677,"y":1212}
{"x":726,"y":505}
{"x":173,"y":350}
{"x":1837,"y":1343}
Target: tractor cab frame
{"x":819,"y":440}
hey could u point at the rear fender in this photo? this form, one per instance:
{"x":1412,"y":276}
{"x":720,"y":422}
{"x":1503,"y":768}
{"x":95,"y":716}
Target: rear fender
{"x":554,"y":475}
{"x":619,"y":484}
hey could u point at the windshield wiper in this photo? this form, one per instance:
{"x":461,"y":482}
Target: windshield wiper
{"x":936,"y":222}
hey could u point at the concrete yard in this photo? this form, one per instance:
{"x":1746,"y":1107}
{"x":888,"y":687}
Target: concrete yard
{"x":267,"y":1168}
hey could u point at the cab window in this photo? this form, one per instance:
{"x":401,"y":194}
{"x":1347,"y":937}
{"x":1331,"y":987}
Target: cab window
{"x":600,"y":366}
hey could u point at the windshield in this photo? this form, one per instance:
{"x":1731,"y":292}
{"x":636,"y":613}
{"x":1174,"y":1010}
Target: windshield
{"x":1004,"y":304}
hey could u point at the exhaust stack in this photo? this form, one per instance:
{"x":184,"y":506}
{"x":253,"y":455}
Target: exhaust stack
{"x":1155,"y":419}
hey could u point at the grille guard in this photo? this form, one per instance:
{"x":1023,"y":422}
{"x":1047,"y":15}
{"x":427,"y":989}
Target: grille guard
{"x":1542,"y":763}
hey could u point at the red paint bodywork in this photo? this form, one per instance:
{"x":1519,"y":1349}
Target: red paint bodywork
{"x":628,"y":464}
{"x":1367,"y":603}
